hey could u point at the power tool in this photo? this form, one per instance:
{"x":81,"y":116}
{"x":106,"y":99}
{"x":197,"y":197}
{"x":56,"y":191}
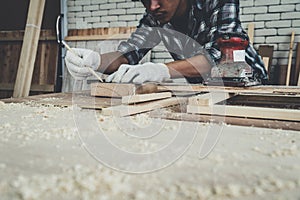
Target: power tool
{"x":232,"y":70}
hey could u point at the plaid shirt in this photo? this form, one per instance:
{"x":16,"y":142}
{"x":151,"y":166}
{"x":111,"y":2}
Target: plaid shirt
{"x":208,"y":20}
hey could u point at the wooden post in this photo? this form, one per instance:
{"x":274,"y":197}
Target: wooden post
{"x":288,"y":75}
{"x":29,"y":48}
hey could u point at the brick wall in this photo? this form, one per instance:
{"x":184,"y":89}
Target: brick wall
{"x":274,"y":20}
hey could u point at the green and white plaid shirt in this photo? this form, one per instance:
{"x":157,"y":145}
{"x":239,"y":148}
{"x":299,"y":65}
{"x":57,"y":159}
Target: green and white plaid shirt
{"x":208,"y":20}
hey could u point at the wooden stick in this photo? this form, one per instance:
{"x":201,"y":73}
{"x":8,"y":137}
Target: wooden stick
{"x":145,"y":97}
{"x":290,"y":59}
{"x":29,"y":48}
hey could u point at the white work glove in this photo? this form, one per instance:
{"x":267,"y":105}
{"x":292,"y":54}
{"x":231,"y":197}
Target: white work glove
{"x":147,"y":72}
{"x":78,"y":61}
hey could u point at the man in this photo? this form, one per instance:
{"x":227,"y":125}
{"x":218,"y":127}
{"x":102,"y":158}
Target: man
{"x":188,"y":28}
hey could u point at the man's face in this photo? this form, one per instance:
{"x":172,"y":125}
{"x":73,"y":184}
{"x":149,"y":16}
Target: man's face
{"x":164,"y":10}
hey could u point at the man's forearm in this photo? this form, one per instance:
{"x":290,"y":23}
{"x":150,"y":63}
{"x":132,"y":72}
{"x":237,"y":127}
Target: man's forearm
{"x":191,"y":67}
{"x":110,"y":62}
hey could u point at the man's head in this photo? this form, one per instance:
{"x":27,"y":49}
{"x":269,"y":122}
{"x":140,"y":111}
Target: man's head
{"x":165,"y":10}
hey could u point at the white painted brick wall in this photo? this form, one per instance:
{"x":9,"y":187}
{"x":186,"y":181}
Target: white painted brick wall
{"x":274,"y":21}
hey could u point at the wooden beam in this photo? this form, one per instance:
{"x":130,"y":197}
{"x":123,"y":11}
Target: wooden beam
{"x":247,"y":111}
{"x":265,"y":89}
{"x":113,"y":33}
{"x":127,"y":110}
{"x":240,"y":121}
{"x":145,"y":97}
{"x":119,"y":90}
{"x":29,"y":48}
{"x":208,"y":99}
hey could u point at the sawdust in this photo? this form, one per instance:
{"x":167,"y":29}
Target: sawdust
{"x":34,"y":122}
{"x":42,"y":158}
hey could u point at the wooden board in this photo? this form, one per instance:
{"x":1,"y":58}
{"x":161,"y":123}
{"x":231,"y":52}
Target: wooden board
{"x":81,"y":99}
{"x":127,"y":110}
{"x":260,"y":106}
{"x":145,"y":97}
{"x":239,"y":121}
{"x":29,"y":48}
{"x":247,"y":111}
{"x":100,"y":34}
{"x":255,"y":89}
{"x":119,"y":90}
{"x":208,"y":99}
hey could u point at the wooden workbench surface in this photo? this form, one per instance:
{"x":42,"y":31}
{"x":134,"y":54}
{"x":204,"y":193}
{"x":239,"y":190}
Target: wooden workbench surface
{"x":44,"y":155}
{"x":82,"y":99}
{"x":275,"y":101}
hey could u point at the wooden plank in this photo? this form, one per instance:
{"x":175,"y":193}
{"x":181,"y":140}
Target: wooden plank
{"x":113,"y":33}
{"x":240,"y":121}
{"x":264,"y":89}
{"x":145,"y":97}
{"x":288,"y":75}
{"x":127,"y":110}
{"x":247,"y":111}
{"x":119,"y":90}
{"x":81,"y":99}
{"x":208,"y":99}
{"x":29,"y":48}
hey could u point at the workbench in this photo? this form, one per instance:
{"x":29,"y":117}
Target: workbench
{"x":50,"y":147}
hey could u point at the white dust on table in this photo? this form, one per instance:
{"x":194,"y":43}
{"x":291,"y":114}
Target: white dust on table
{"x":247,"y":162}
{"x":82,"y":182}
{"x":28,"y":123}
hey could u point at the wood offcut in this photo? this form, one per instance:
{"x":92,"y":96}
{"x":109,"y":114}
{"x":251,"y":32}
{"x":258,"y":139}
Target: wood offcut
{"x":120,"y":90}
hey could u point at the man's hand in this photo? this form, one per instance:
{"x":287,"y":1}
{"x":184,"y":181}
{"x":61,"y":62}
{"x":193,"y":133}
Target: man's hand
{"x":147,"y":72}
{"x":78,"y":61}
